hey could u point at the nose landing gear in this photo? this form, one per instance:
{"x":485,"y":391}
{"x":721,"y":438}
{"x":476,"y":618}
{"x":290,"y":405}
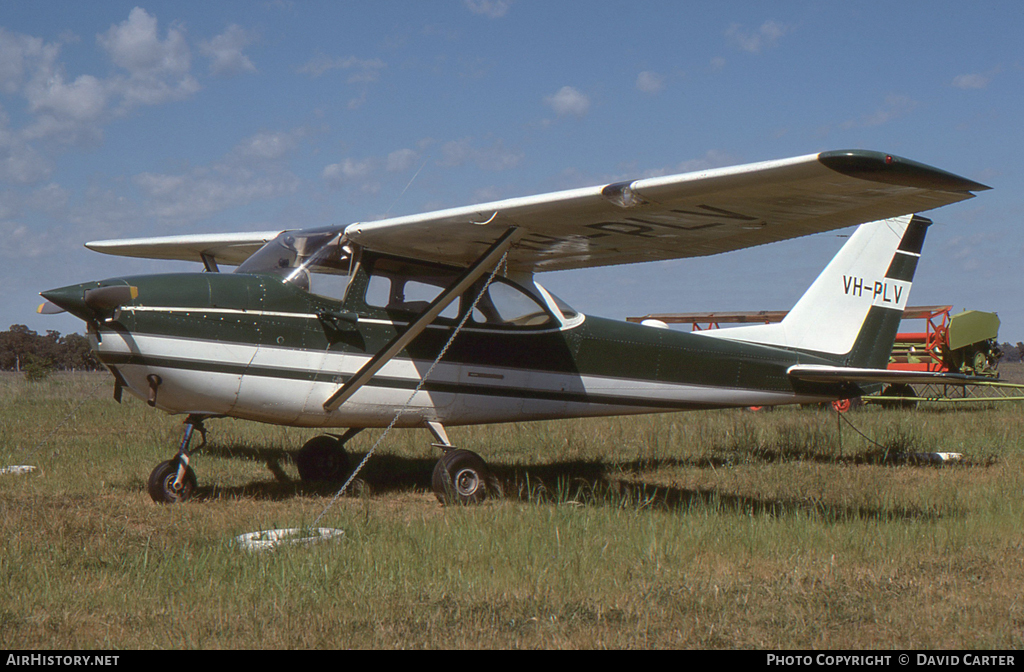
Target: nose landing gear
{"x":174,"y":480}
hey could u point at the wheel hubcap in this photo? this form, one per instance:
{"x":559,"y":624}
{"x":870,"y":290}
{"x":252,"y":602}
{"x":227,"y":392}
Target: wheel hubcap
{"x":467,"y":482}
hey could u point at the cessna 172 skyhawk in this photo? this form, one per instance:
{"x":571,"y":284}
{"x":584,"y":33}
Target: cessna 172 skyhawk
{"x":337,"y":327}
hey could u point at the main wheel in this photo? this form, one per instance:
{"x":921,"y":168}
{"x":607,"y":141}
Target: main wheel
{"x":161,"y":483}
{"x":322,"y":459}
{"x":462,"y":477}
{"x":909,"y":397}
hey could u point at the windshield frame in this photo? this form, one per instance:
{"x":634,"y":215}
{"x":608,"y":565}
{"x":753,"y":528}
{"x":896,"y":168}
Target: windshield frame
{"x":293,"y":255}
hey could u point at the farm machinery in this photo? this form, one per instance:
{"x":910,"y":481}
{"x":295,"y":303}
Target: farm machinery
{"x":964,"y":343}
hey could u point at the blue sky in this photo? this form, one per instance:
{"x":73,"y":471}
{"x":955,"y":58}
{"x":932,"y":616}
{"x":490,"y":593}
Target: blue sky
{"x":123,"y":120}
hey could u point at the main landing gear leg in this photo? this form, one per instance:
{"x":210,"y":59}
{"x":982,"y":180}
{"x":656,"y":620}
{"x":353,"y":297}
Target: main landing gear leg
{"x":460,"y":476}
{"x":174,"y":481}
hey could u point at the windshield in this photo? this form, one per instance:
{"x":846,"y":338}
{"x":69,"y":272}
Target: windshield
{"x":568,"y":312}
{"x":295,"y":254}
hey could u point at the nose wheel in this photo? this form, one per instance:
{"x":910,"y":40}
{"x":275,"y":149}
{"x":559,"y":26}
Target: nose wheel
{"x":174,"y":481}
{"x":164,"y":485}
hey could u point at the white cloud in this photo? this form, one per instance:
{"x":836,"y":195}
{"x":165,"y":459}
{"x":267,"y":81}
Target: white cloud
{"x":755,"y":41}
{"x":492,"y":9}
{"x":254,"y":170}
{"x":401,"y":160}
{"x":20,"y":163}
{"x":225,"y":52}
{"x":83,"y":100}
{"x":362,"y":69}
{"x":494,"y":157}
{"x":357,"y":102}
{"x":346,"y":172}
{"x":267,"y":146}
{"x":73,"y":111}
{"x":22,"y":241}
{"x":18,"y":53}
{"x":61,"y":111}
{"x":568,"y":101}
{"x":971,"y":81}
{"x":204,"y":192}
{"x":650,"y":82}
{"x":713,"y":158}
{"x":895,"y":106}
{"x":51,"y":199}
{"x":158,"y":70}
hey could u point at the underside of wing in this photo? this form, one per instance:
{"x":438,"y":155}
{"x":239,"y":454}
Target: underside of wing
{"x":688,"y":215}
{"x":226,"y":248}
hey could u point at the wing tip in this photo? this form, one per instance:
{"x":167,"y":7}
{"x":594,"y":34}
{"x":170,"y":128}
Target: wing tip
{"x":892,"y":169}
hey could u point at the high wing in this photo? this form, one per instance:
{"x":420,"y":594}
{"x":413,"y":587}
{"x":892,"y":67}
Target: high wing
{"x":226,"y":248}
{"x":688,"y":215}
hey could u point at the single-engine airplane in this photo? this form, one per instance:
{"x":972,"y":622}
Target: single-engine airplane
{"x":338,"y":327}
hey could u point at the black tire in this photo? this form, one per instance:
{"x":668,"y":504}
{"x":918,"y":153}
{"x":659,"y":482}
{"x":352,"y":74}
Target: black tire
{"x":900,"y":390}
{"x":161,"y":483}
{"x":322,"y":459}
{"x":462,"y":477}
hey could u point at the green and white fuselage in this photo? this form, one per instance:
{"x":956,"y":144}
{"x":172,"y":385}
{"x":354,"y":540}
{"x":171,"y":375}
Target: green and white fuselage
{"x":273,"y":360}
{"x":260,"y":343}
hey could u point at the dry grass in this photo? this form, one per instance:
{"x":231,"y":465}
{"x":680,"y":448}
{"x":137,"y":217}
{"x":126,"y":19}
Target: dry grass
{"x":718,"y":529}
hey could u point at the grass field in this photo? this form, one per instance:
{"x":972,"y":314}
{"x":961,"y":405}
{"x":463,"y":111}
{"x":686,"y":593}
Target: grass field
{"x":709,"y":529}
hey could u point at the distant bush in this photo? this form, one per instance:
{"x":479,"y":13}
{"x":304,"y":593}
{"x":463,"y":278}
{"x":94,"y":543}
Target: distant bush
{"x":37,"y":368}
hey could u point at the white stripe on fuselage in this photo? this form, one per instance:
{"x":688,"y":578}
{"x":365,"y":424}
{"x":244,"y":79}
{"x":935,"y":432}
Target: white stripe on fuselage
{"x":485,"y":394}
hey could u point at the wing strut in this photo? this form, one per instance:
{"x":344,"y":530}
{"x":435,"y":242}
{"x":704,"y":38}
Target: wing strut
{"x":485,"y":263}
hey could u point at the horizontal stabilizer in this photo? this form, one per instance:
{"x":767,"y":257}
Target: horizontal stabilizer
{"x":817,"y":373}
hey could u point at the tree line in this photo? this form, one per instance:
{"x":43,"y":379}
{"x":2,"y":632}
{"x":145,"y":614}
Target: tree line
{"x":1011,"y":353}
{"x":21,"y":348}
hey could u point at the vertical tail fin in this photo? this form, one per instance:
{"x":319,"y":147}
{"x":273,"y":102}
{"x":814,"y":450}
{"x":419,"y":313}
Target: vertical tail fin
{"x":853,"y":309}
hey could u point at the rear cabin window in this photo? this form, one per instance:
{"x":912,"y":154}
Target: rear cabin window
{"x":505,"y":304}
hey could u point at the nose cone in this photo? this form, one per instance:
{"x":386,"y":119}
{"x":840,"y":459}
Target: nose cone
{"x":92,"y":300}
{"x":71,"y":299}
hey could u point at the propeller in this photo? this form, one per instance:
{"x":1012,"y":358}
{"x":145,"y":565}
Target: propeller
{"x":49,"y":308}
